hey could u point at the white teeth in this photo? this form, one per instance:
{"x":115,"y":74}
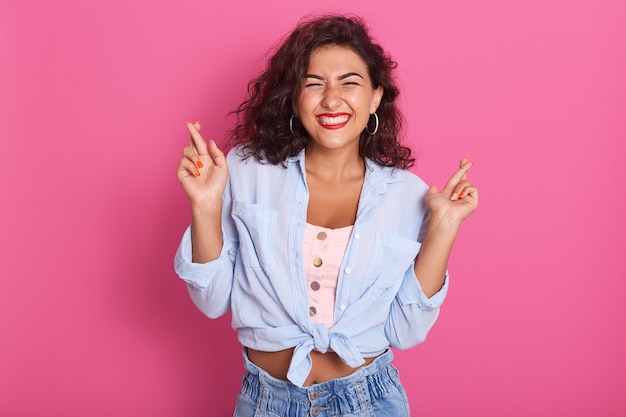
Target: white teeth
{"x":326,"y":120}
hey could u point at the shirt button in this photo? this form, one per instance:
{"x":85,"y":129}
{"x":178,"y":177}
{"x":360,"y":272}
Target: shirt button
{"x":342,"y":307}
{"x":357,"y":236}
{"x":321,"y":236}
{"x":315,"y":285}
{"x":348,"y":270}
{"x":317,"y":262}
{"x":312,"y":311}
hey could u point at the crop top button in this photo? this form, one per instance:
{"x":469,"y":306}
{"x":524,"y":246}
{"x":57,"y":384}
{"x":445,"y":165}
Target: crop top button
{"x":315,"y":285}
{"x":312,"y":311}
{"x":322,"y":236}
{"x":317,"y":262}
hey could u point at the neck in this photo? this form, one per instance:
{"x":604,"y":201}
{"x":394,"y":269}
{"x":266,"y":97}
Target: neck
{"x":334,"y":164}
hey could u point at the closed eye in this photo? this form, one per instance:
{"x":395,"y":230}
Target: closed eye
{"x":313,"y":80}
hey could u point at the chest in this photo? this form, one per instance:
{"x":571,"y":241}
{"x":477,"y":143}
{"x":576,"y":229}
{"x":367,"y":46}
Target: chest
{"x":333,"y":204}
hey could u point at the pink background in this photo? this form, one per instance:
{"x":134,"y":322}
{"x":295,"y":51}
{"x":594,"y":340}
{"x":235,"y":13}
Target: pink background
{"x":93,"y":97}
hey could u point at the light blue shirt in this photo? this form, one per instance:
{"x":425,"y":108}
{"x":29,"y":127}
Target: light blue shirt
{"x":260,"y":275}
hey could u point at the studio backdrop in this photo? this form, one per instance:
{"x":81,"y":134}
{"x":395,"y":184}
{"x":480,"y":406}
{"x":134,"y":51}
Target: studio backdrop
{"x":93,"y":101}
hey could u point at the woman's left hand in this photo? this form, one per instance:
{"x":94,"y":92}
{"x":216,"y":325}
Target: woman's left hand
{"x":458,"y":199}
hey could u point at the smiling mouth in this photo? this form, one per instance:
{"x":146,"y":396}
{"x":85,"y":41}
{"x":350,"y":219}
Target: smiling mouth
{"x":335,"y":121}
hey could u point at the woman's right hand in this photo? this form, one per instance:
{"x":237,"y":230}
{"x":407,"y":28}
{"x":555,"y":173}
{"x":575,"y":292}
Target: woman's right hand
{"x":202,"y":170}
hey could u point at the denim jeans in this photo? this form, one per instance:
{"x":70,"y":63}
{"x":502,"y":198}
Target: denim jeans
{"x":373,"y":391}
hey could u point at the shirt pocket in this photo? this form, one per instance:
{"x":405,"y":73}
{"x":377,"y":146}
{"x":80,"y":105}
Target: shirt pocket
{"x":255,"y":225}
{"x":392,"y":256}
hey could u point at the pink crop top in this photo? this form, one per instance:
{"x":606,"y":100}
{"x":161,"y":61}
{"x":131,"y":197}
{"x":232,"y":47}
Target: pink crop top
{"x":323,"y":251}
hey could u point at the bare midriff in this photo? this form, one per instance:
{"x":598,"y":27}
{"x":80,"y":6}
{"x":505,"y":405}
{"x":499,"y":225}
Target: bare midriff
{"x":325,"y":366}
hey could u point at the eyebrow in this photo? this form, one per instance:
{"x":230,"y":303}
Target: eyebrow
{"x":341,"y":77}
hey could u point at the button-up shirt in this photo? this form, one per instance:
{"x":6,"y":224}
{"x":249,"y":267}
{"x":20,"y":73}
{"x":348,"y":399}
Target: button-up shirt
{"x":260,"y":274}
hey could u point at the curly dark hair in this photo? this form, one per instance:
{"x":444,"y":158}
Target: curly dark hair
{"x":263,"y":120}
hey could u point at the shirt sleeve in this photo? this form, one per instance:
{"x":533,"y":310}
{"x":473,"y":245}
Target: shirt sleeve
{"x":210,"y":284}
{"x":412,"y":313}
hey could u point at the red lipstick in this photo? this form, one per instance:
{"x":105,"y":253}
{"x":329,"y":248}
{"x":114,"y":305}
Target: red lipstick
{"x":332,"y":121}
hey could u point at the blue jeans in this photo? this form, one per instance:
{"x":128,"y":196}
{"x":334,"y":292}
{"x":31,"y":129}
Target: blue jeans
{"x":373,"y":391}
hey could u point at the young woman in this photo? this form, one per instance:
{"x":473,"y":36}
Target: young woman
{"x":325,"y":248}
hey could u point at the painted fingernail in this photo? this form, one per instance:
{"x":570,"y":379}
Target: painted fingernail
{"x":200,"y":164}
{"x":462,"y":194}
{"x":197,"y":173}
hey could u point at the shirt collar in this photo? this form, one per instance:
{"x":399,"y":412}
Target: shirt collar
{"x":378,"y":176}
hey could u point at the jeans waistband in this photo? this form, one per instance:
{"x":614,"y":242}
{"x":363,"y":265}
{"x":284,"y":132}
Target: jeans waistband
{"x":336,"y":397}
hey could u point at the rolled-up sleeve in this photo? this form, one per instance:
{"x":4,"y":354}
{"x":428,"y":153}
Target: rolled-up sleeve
{"x":210,"y":283}
{"x":412,"y":313}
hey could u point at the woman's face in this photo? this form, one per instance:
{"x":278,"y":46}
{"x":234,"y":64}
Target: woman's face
{"x":336,"y":98}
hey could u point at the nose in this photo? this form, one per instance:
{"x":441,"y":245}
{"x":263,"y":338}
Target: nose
{"x":332,"y":97}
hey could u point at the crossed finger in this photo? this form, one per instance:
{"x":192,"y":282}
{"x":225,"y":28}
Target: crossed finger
{"x":197,"y":147}
{"x":458,"y":180}
{"x":461,"y":163}
{"x":196,"y":143}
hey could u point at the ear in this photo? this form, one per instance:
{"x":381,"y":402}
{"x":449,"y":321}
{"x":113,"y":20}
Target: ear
{"x":377,"y":96}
